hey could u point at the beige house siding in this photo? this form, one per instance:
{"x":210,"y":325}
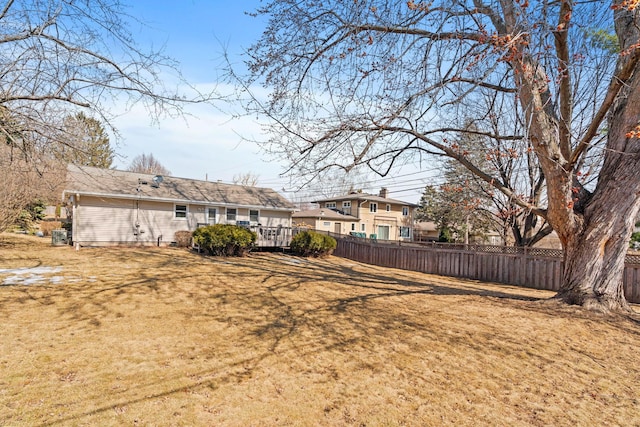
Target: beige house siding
{"x":333,"y":226}
{"x":108,"y":221}
{"x":390,"y":220}
{"x":99,"y":220}
{"x":120,"y":207}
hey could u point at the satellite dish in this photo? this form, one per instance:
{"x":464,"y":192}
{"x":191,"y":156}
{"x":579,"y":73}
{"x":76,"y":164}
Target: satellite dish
{"x":158,"y":179}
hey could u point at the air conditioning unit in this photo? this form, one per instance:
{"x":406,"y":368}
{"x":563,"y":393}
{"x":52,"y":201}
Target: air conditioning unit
{"x":59,"y":237}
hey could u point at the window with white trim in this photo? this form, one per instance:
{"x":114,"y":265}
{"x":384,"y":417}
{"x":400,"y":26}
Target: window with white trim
{"x":405,"y":232}
{"x":231,"y":214}
{"x":254,"y":215}
{"x":180,"y":211}
{"x":327,"y":224}
{"x":388,"y":208}
{"x":363,"y":227}
{"x":346,"y":207}
{"x":405,"y":211}
{"x":373,"y":207}
{"x":330,"y":205}
{"x":353,"y":226}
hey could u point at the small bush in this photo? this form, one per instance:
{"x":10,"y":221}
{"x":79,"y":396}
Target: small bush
{"x":224,"y":239}
{"x":182,"y":238}
{"x":47,"y":226}
{"x":310,"y":243}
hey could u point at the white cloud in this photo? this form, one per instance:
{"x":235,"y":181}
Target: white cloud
{"x":205,"y":143}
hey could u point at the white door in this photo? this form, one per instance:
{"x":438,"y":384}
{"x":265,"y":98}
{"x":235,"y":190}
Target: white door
{"x":211,"y":215}
{"x":338,"y":228}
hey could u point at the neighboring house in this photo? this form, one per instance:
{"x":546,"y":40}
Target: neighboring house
{"x":426,"y":231}
{"x":325,"y":220}
{"x":110,"y":207}
{"x":364,"y":214}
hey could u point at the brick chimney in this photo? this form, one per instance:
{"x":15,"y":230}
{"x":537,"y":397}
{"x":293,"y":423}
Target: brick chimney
{"x":384,"y":193}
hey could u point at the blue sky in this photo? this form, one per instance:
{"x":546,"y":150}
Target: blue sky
{"x":210,"y":144}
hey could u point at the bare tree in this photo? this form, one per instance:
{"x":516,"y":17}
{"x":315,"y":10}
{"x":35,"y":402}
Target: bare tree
{"x":144,"y":163}
{"x":248,"y":179}
{"x":514,"y":162}
{"x":17,"y":188}
{"x":375,"y":82}
{"x":62,"y":57}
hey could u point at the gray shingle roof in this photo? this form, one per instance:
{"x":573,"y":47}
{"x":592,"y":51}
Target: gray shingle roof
{"x":121,"y":184}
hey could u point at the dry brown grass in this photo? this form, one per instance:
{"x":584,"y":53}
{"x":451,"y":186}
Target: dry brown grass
{"x":166,"y":337}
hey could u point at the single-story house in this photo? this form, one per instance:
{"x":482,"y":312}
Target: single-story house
{"x":112,"y":207}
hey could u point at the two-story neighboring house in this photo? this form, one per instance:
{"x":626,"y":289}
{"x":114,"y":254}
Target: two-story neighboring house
{"x":366,"y":214}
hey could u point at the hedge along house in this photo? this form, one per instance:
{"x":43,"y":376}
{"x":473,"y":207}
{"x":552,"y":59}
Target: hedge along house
{"x":112,"y":207}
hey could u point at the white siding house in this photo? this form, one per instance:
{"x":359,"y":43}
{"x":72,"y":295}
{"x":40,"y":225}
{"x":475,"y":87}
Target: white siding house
{"x":111,"y":207}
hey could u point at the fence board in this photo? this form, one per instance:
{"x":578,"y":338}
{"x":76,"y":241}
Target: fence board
{"x":533,"y":268}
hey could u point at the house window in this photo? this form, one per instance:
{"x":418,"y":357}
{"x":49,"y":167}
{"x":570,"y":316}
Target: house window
{"x":363,"y":227}
{"x":330,"y":205}
{"x":373,"y":207}
{"x":405,"y":211}
{"x":180,"y":211}
{"x":254,"y":215}
{"x":404,"y":232}
{"x":231,"y":214}
{"x":346,"y":208}
{"x":388,"y":208}
{"x":353,"y":226}
{"x":327,"y":224}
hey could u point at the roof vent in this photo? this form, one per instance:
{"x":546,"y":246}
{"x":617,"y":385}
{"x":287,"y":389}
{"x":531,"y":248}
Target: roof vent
{"x":157,"y":180}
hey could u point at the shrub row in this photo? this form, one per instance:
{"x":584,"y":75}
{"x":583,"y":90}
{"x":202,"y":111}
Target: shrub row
{"x":310,"y":243}
{"x":224,"y":239}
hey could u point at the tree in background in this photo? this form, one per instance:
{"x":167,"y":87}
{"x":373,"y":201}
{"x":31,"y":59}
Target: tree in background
{"x":457,"y":212}
{"x":247,"y":179}
{"x":519,"y":171}
{"x":144,"y":163}
{"x":377,"y":82}
{"x":86,"y":142}
{"x":58,"y":59}
{"x":329,"y":183}
{"x":17,"y":188}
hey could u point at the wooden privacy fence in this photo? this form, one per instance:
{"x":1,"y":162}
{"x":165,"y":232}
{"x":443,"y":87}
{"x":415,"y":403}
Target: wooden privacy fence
{"x":531,"y":267}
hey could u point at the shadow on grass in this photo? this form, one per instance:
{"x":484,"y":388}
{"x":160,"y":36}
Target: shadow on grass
{"x":278,"y":304}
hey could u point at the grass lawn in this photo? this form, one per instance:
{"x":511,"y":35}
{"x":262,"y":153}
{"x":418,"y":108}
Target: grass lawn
{"x":164,"y":337}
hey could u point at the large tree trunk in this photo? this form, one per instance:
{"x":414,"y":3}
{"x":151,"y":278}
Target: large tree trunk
{"x":594,"y":228}
{"x":594,"y":259}
{"x":595,"y":251}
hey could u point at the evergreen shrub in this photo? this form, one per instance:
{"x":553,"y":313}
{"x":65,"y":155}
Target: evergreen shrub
{"x":310,"y":243}
{"x":224,"y":239}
